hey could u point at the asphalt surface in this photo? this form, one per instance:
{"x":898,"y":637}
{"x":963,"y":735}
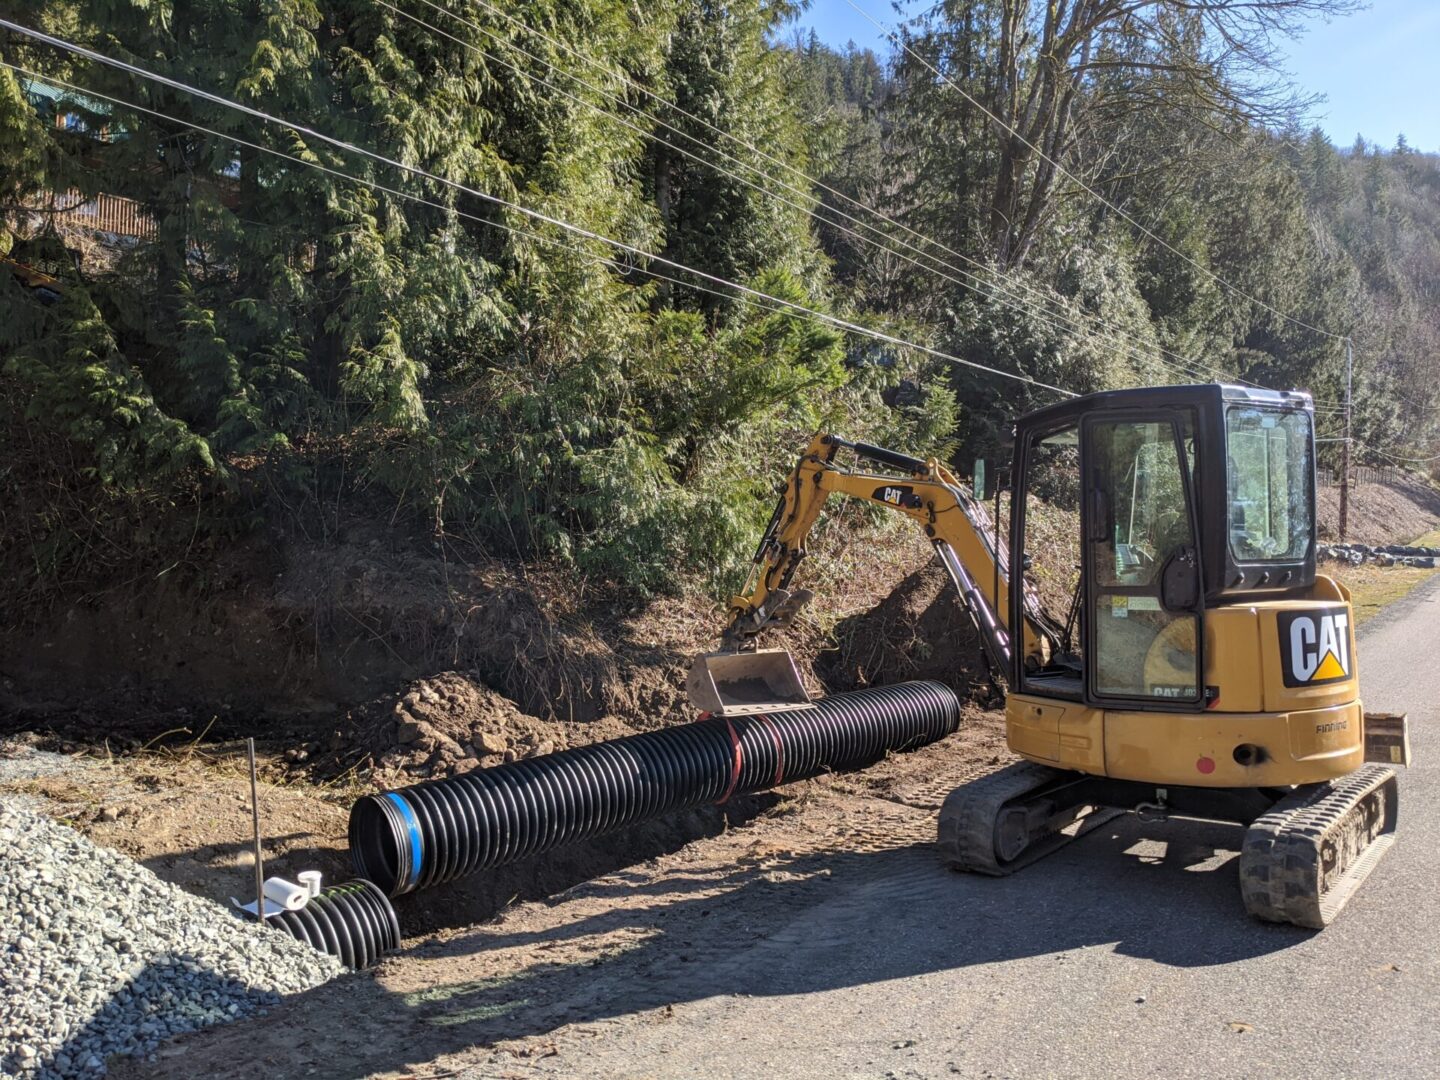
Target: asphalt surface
{"x":1128,"y":954}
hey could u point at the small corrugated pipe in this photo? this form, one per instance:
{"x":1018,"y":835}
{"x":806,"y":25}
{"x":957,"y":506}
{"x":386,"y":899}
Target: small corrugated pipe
{"x":353,"y":921}
{"x":435,"y":832}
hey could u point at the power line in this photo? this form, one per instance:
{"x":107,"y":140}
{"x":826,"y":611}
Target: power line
{"x":1136,"y":349}
{"x":898,"y":40}
{"x":496,"y":200}
{"x":1405,"y":460}
{"x":421,"y":200}
{"x":375,"y":185}
{"x":341,"y":144}
{"x":1057,"y":317}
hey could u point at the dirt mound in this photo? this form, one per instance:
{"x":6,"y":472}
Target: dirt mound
{"x":919,"y":631}
{"x":441,"y":725}
{"x":1393,"y":513}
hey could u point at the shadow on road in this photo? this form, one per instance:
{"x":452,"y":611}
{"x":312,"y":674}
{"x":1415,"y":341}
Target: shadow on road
{"x":794,"y":925}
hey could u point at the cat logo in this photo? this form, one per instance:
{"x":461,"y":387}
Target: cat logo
{"x":1314,"y":647}
{"x":897,"y":495}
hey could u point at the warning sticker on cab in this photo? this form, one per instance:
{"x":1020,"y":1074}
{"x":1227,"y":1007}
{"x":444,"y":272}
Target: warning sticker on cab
{"x":1314,"y":647}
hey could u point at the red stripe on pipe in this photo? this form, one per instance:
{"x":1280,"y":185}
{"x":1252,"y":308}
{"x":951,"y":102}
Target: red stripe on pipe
{"x":739,"y":752}
{"x":779,"y":749}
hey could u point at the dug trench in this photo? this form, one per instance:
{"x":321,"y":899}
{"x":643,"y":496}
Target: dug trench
{"x":484,"y":663}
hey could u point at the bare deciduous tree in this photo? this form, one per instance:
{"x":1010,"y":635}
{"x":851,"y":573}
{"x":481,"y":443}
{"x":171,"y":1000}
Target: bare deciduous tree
{"x":1052,"y":63}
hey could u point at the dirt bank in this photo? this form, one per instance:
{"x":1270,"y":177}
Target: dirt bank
{"x":382,"y":663}
{"x":1394,"y":513}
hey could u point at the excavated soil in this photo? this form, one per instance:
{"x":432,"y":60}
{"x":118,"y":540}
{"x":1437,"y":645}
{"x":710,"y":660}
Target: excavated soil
{"x":442,"y":725}
{"x":917,"y":632}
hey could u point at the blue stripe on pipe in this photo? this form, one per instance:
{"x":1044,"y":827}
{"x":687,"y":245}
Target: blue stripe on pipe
{"x":416,"y":844}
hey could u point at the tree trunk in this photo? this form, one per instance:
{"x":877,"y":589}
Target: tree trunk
{"x":664,"y":180}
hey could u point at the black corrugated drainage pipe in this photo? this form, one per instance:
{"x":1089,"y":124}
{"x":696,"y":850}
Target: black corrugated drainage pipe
{"x":353,"y":922}
{"x":420,"y":836}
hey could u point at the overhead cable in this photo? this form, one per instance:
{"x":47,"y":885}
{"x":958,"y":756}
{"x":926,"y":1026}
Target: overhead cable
{"x":496,"y":200}
{"x":374,"y":185}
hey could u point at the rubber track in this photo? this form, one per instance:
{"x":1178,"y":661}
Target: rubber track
{"x":967,"y":818}
{"x":1282,"y":861}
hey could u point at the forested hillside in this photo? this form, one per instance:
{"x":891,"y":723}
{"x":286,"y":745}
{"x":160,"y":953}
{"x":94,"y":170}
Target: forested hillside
{"x":571,"y":280}
{"x":1106,"y":267}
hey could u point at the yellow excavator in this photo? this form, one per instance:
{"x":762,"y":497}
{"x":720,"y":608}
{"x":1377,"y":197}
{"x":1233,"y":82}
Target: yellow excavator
{"x":1178,"y":656}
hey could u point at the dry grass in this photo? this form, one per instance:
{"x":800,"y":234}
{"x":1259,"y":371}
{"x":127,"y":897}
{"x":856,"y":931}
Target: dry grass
{"x":1373,"y":588}
{"x":1381,"y":513}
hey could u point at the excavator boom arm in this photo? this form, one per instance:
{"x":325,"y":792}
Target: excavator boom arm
{"x":962,"y":532}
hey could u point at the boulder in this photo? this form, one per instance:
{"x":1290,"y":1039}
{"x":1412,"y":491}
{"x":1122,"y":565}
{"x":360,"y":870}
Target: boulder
{"x":489,"y":742}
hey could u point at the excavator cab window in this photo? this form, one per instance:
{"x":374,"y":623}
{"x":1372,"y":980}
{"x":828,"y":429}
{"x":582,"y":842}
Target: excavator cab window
{"x":1141,"y":562}
{"x":1268,"y":479}
{"x":1051,"y":558}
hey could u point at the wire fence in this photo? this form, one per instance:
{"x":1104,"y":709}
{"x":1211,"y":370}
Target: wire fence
{"x":1360,"y":474}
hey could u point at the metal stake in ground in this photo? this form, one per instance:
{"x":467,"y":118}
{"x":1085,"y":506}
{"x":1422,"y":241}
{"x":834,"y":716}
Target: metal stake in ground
{"x":255,"y":816}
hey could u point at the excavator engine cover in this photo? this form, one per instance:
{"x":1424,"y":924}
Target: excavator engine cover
{"x":745,"y":683}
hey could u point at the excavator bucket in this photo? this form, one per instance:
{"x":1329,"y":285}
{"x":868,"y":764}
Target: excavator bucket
{"x":743,"y":683}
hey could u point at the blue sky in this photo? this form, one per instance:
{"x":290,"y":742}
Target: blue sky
{"x":1377,"y":68}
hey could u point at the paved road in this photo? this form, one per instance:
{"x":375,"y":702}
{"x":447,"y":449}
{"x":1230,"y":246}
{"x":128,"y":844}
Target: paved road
{"x":1126,"y":955}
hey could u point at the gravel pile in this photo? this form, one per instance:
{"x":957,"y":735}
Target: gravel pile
{"x":99,"y":957}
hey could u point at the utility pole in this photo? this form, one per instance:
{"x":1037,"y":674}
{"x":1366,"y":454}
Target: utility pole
{"x":1345,"y":446}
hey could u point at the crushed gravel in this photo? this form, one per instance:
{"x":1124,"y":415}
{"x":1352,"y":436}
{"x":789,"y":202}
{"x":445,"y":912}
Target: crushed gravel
{"x":99,"y":957}
{"x":20,"y":761}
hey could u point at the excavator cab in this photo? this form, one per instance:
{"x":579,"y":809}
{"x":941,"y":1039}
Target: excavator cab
{"x":1138,"y":509}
